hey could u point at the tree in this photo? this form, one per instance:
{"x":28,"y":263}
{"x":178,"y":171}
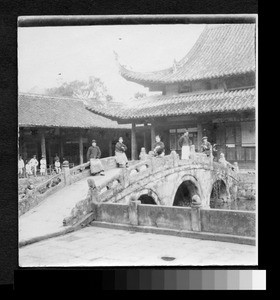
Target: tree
{"x":90,"y":91}
{"x":139,"y":95}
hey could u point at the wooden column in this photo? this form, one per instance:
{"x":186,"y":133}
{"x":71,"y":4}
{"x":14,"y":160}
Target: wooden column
{"x":61,"y":149}
{"x":81,"y":148}
{"x":133,"y":142}
{"x":50,"y":155}
{"x":110,"y":146}
{"x":43,"y":144}
{"x":153,"y":135}
{"x":145,"y":141}
{"x":199,"y":136}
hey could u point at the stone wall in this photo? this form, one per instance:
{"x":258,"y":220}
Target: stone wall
{"x":233,"y":222}
{"x":236,"y":223}
{"x":165,"y":217}
{"x":112,"y":213}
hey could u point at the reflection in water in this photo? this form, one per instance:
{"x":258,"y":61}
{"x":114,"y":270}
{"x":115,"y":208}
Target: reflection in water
{"x":238,"y":204}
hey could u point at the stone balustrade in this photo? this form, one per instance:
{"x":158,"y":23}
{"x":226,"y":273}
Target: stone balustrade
{"x":40,"y":192}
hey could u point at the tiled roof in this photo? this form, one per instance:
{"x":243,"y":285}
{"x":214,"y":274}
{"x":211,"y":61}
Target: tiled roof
{"x":181,"y":104}
{"x":40,"y":110}
{"x":224,"y":50}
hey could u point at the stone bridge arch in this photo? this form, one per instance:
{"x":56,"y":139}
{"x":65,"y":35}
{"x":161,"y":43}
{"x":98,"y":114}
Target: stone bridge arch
{"x":147,"y":196}
{"x":186,"y":184}
{"x":220,"y":192}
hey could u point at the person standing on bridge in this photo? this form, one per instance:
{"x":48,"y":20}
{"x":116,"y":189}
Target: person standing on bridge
{"x":93,"y":156}
{"x":159,"y":147}
{"x":121,"y":157}
{"x":185,"y":142}
{"x":206,"y":147}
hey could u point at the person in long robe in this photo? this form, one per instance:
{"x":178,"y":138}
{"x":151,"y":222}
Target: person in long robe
{"x":159,"y":147}
{"x":185,"y":143}
{"x":206,"y":146}
{"x":93,"y":156}
{"x":120,"y":155}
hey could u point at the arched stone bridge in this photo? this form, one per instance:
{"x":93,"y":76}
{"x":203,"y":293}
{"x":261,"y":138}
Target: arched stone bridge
{"x":164,"y":181}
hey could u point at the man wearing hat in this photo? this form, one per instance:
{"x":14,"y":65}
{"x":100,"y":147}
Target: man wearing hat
{"x":206,"y":146}
{"x":93,"y":155}
{"x":120,"y":155}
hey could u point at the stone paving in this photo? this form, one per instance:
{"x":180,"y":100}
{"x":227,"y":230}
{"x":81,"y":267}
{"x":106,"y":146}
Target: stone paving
{"x":94,"y":246}
{"x":46,"y":218}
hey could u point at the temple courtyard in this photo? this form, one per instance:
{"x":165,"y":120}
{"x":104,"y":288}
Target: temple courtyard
{"x":96,"y":247}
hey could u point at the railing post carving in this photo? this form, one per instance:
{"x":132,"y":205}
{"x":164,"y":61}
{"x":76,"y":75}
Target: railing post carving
{"x":93,"y":191}
{"x":133,"y":212}
{"x":66,"y":172}
{"x":195,"y":213}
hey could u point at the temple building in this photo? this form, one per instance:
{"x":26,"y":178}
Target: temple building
{"x":210,"y":92}
{"x":62,"y":126}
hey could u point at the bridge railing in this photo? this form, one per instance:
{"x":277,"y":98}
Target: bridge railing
{"x":77,"y":173}
{"x":144,"y":168}
{"x":34,"y":196}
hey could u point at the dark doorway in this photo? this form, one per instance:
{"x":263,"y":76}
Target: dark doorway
{"x":146,"y":199}
{"x":184,"y":194}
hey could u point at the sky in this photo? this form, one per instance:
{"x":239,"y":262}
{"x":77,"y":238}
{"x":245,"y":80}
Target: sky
{"x":48,"y":56}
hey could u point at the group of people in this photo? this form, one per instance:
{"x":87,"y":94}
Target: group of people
{"x":94,"y":154}
{"x":185,"y":144}
{"x":29,"y":168}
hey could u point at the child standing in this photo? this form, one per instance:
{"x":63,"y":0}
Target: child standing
{"x":43,"y":165}
{"x":34,"y":163}
{"x":20,"y":166}
{"x":28,"y":169}
{"x":57,"y":166}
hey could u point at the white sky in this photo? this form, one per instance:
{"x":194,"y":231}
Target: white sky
{"x":78,"y":52}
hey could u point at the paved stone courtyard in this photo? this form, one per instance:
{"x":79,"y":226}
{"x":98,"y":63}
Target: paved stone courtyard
{"x":93,"y":246}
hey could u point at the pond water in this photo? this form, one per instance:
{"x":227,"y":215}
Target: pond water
{"x":238,"y":204}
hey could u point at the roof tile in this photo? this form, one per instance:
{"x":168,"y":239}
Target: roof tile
{"x":220,"y":51}
{"x":41,"y":110}
{"x":181,"y":104}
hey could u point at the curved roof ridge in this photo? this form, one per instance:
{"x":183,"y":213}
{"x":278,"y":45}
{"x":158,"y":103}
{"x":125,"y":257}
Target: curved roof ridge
{"x":220,"y":50}
{"x":33,"y":95}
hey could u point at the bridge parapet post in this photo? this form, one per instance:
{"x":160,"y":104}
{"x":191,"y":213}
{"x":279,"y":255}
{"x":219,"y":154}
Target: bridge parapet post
{"x":195,"y":213}
{"x":192,"y":152}
{"x":93,"y":190}
{"x":175,"y":158}
{"x":66,"y":172}
{"x":133,"y":212}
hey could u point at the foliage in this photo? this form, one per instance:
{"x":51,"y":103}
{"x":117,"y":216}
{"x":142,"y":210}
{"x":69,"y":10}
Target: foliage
{"x":139,"y":95}
{"x":93,"y":89}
